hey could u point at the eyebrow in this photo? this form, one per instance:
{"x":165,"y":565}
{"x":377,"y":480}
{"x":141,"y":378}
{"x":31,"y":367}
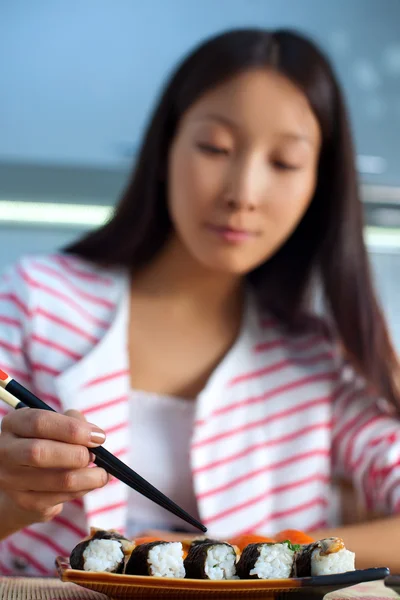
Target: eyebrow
{"x":219,"y":118}
{"x":296,"y":137}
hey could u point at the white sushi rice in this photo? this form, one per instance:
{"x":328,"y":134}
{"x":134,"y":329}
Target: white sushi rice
{"x":166,"y":560}
{"x":333,"y":563}
{"x":221,"y":562}
{"x":102,"y":555}
{"x":274,"y":562}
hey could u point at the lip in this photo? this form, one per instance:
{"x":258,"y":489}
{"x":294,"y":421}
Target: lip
{"x":231,"y":234}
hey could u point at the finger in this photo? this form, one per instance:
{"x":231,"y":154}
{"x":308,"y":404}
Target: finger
{"x":75,"y":414}
{"x":44,"y":454}
{"x":43,"y":501}
{"x":43,"y":424}
{"x":27,"y":512}
{"x":25,"y":479}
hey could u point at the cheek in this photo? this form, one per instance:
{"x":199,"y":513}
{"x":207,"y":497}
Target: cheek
{"x":293,"y":200}
{"x":194,"y":185}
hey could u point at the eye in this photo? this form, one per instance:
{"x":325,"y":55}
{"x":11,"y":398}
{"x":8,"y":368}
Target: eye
{"x":284,"y":166}
{"x":211,"y":149}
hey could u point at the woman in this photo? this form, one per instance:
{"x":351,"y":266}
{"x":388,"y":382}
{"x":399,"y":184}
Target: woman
{"x":183,"y":328}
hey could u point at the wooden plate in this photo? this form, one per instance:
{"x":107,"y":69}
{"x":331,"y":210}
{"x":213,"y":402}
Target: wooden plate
{"x":131,"y":586}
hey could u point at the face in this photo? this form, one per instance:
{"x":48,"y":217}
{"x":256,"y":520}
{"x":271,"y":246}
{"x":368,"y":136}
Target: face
{"x":242,"y":171}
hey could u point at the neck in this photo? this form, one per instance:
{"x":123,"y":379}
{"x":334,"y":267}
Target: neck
{"x":176,"y":275}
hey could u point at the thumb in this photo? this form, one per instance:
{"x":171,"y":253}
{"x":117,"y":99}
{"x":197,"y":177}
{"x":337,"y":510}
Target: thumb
{"x":75,"y":414}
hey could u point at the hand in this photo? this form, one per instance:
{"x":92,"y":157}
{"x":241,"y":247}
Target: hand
{"x":44,"y":460}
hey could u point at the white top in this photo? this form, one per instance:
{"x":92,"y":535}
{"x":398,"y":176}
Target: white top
{"x":161,"y":431}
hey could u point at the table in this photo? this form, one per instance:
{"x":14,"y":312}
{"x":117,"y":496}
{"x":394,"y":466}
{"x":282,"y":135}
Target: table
{"x":24,"y":588}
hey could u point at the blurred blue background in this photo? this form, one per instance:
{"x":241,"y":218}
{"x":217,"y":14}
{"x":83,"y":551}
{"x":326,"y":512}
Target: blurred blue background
{"x":79,"y":79}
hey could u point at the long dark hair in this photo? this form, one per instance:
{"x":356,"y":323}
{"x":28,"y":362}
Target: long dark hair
{"x":328,"y":243}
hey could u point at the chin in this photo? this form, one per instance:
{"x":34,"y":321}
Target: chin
{"x":230,"y":261}
{"x":228,"y":267}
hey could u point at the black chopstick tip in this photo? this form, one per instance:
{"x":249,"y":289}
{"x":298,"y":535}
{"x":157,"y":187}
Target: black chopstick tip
{"x":186,"y":517}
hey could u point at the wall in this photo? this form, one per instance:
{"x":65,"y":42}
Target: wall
{"x":386,"y":267}
{"x":81,"y":75}
{"x":20,"y":241}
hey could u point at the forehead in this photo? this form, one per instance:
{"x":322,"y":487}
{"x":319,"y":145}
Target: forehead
{"x":257,"y":102}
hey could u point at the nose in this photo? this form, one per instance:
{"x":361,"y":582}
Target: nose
{"x":245,"y":185}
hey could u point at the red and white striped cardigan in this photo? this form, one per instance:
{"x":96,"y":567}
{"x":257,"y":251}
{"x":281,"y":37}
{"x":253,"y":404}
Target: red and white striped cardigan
{"x":269,"y":435}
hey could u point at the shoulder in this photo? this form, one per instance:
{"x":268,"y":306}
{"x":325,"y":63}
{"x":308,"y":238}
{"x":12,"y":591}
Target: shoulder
{"x":63,"y":273}
{"x":65,"y":287}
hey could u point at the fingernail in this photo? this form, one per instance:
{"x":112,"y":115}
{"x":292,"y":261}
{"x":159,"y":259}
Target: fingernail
{"x":92,"y":457}
{"x":97,"y":435}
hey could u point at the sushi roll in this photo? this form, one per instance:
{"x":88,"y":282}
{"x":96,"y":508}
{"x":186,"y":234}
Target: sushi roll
{"x":99,"y":555}
{"x":102,"y":534}
{"x":267,"y":561}
{"x":210,"y":560}
{"x":324,"y":557}
{"x":203,"y":540}
{"x":158,"y":559}
{"x":188,"y":543}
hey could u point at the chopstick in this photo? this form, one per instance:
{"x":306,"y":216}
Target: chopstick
{"x":17,"y":396}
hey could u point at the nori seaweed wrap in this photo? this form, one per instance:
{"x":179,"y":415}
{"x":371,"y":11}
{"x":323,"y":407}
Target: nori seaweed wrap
{"x":200,"y":541}
{"x":98,"y":555}
{"x":210,"y":560}
{"x":324,"y":557}
{"x":157,"y":559}
{"x":267,"y":561}
{"x":103,"y":534}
